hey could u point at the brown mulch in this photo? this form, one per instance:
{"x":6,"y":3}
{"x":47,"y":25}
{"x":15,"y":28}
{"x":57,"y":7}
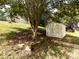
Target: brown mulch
{"x":23,"y":37}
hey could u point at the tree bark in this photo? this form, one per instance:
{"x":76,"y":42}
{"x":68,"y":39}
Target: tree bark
{"x":34,"y":25}
{"x":34,"y":33}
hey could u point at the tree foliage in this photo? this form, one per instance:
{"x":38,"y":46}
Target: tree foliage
{"x":67,"y":11}
{"x":33,"y":10}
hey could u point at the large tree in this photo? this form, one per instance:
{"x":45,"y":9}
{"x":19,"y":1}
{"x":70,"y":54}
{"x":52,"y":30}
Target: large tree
{"x":33,"y":10}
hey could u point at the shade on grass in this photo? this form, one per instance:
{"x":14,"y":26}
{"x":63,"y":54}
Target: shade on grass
{"x":76,"y":33}
{"x":9,"y":30}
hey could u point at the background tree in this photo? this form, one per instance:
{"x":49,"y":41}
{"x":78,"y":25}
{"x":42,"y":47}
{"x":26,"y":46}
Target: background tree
{"x":67,"y":10}
{"x":3,"y":2}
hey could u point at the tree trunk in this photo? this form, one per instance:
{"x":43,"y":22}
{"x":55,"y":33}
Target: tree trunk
{"x":34,"y":25}
{"x":34,"y":33}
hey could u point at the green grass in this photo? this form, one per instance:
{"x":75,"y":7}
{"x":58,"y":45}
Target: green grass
{"x":72,"y":37}
{"x":8,"y":30}
{"x":76,"y":33}
{"x":6,"y":27}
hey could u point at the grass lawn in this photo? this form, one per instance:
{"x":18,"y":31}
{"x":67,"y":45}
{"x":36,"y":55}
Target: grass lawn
{"x":72,"y":37}
{"x":6,"y":27}
{"x":44,"y":50}
{"x":75,"y":34}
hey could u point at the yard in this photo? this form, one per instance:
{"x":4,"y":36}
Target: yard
{"x":16,"y":43}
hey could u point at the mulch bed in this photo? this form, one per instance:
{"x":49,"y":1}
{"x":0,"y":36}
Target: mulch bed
{"x":23,"y":37}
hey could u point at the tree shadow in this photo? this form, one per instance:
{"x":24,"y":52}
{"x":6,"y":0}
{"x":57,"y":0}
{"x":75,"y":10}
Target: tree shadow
{"x":47,"y":49}
{"x":12,"y":35}
{"x":43,"y":47}
{"x":23,"y":35}
{"x":71,"y":39}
